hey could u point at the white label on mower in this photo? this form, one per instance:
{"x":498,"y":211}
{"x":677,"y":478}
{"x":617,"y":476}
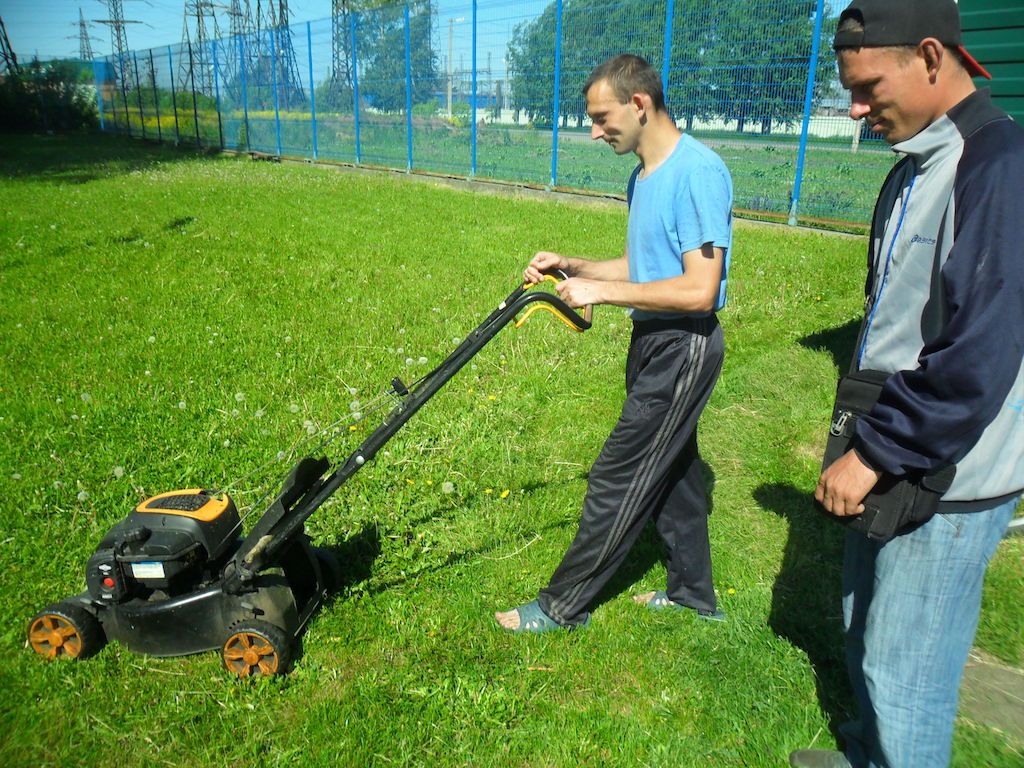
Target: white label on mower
{"x":148,"y":570}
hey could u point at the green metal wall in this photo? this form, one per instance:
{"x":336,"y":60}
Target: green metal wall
{"x":994,"y":34}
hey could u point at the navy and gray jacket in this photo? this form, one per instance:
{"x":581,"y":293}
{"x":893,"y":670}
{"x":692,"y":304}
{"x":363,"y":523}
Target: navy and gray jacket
{"x":945,"y":306}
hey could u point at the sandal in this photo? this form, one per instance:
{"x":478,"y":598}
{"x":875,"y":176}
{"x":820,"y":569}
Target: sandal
{"x":533,"y":619}
{"x":661,"y":601}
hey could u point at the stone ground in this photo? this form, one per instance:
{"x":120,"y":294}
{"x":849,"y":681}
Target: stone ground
{"x":992,"y":694}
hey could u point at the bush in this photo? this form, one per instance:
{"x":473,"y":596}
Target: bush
{"x":55,"y":96}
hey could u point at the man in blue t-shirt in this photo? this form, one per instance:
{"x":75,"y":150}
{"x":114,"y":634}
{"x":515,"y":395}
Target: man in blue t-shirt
{"x":672,"y":277}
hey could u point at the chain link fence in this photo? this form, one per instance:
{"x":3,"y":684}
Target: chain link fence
{"x":491,"y":90}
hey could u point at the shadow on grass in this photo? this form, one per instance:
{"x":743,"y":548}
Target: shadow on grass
{"x":838,"y":342}
{"x":355,"y":558}
{"x":806,"y":598}
{"x":82,"y":157}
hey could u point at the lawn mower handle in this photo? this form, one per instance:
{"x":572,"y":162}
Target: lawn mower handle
{"x":306,"y":487}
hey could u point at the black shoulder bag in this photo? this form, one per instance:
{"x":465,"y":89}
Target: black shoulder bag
{"x":894,"y":505}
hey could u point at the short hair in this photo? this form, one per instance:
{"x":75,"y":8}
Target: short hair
{"x":628,"y":74}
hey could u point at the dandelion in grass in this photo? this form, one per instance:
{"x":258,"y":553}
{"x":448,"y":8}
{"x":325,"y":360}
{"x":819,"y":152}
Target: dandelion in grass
{"x":16,"y":476}
{"x":309,"y":426}
{"x":287,"y":339}
{"x":400,"y":351}
{"x":504,"y":494}
{"x":83,"y":495}
{"x":352,"y":391}
{"x":280,"y":456}
{"x":151,"y":340}
{"x":239,"y":397}
{"x":259,"y":413}
{"x":354,"y":406}
{"x":447,"y":487}
{"x":86,"y":397}
{"x":408,"y":361}
{"x":352,"y":428}
{"x":422,"y":361}
{"x":730,"y":591}
{"x":409,"y":481}
{"x":57,"y":485}
{"x":488,"y":491}
{"x":430,"y":482}
{"x":147,"y":373}
{"x":492,"y":397}
{"x":293,"y":408}
{"x":181,"y":405}
{"x":227,"y":443}
{"x":118,"y":472}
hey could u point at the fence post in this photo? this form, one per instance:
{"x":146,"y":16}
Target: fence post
{"x":216,"y":92}
{"x":174,"y":97}
{"x":195,"y":98}
{"x":121,"y":68}
{"x":156,"y":98}
{"x":472,"y":106}
{"x":819,"y":13}
{"x":557,"y":98}
{"x":273,"y":73}
{"x":355,"y":84}
{"x":408,"y":92}
{"x":666,"y":54}
{"x":312,"y":91}
{"x":99,"y":93}
{"x":138,"y":93}
{"x":245,"y":89}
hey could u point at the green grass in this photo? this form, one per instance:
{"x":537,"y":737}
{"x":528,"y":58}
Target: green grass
{"x":170,"y":320}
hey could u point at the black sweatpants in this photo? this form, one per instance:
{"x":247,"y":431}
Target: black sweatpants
{"x":649,"y":466}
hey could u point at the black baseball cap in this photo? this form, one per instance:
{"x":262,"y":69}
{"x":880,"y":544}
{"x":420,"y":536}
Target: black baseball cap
{"x":906,"y":22}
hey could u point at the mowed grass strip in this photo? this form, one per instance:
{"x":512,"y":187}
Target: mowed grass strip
{"x":171,"y":320}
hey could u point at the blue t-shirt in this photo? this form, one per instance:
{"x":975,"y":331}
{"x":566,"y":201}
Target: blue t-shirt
{"x":685,"y":203}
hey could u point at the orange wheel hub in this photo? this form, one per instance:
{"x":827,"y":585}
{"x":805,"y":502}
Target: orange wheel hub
{"x":249,"y":653}
{"x":54,"y":637}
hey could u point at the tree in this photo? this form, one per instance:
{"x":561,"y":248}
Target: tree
{"x":733,"y":60}
{"x":766,"y":52}
{"x":382,"y":49}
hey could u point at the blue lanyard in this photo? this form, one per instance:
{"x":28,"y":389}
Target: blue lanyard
{"x":885,"y":274}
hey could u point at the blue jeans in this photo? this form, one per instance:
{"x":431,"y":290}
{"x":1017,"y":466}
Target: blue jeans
{"x":910,"y":609}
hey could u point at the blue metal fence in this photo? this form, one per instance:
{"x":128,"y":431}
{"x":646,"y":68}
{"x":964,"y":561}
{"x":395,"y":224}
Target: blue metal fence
{"x":488,"y":89}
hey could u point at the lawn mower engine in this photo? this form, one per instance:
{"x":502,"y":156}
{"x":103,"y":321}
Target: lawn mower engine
{"x":158,"y":583}
{"x":163,"y":546}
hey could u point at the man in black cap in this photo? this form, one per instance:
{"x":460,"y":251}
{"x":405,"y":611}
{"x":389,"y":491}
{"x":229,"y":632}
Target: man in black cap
{"x":945,"y":317}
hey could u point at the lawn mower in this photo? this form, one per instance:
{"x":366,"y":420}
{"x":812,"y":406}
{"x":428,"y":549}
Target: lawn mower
{"x":177,"y":576}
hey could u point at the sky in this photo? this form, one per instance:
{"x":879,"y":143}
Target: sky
{"x":49,"y":28}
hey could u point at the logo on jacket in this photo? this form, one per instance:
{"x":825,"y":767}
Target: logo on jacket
{"x":922,"y":239}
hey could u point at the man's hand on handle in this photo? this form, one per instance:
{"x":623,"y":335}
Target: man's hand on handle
{"x":543,"y":262}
